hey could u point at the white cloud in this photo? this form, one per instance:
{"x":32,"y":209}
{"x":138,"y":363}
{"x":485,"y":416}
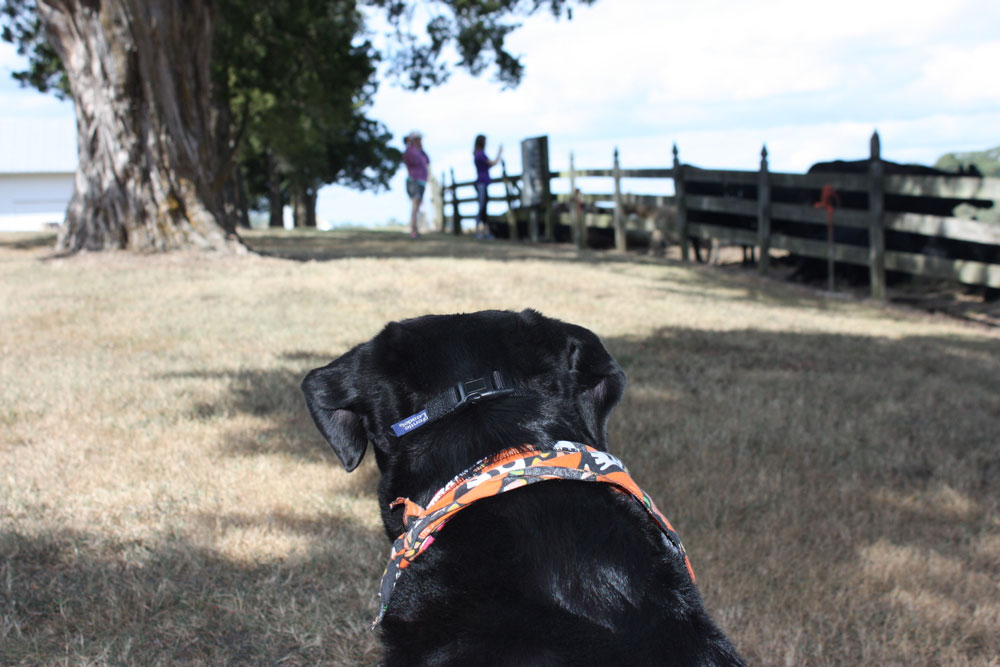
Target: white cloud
{"x":963,"y":76}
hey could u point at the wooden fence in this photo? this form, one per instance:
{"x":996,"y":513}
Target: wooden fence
{"x":783,"y":211}
{"x":451,"y":200}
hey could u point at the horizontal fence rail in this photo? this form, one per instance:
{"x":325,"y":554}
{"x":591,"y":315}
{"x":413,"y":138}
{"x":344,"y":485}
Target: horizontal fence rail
{"x":877,"y":220}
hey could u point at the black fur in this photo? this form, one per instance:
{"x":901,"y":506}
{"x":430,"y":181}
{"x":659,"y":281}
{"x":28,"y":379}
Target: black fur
{"x":557,"y":573}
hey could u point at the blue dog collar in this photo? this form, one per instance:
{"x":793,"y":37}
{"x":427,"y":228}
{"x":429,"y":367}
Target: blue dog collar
{"x":458,"y":397}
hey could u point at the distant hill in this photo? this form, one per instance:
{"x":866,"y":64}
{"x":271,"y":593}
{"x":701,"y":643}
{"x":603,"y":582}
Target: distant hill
{"x":987,"y":162}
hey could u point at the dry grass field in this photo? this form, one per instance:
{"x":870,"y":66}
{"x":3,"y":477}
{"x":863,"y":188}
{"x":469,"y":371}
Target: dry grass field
{"x":832,"y":465}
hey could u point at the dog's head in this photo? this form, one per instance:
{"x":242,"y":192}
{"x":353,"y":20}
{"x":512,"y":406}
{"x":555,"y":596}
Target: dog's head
{"x":568,"y":385}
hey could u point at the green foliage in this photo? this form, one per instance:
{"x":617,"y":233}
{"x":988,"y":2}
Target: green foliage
{"x":22,"y":27}
{"x":986,"y":162}
{"x":298,"y":81}
{"x":477,"y":29}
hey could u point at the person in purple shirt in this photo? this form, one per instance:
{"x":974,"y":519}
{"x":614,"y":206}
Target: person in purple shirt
{"x":416,"y":162}
{"x":483,"y":165}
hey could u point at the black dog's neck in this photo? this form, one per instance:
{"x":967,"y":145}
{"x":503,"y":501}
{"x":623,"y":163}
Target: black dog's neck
{"x":435,"y":454}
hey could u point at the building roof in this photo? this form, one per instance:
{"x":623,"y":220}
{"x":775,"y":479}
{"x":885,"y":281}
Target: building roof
{"x":43,"y":145}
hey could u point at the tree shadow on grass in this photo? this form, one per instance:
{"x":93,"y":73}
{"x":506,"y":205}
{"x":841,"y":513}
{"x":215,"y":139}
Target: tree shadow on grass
{"x":281,"y":423}
{"x":82,"y":598}
{"x":351,"y":244}
{"x":272,"y":395}
{"x":360,"y":243}
{"x":27,"y":240}
{"x":817,"y":475}
{"x":809,"y":474}
{"x":950,"y":299}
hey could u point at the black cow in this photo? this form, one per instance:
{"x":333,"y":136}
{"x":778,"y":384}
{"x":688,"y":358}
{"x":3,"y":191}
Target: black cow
{"x":811,"y":268}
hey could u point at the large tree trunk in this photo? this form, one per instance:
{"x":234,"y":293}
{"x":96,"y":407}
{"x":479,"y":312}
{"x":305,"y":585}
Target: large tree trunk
{"x":150,"y":175}
{"x":275,"y":201}
{"x":311,"y":197}
{"x":304,"y":207}
{"x":242,"y":205}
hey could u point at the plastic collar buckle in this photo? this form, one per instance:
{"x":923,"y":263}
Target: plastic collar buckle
{"x":473,"y":391}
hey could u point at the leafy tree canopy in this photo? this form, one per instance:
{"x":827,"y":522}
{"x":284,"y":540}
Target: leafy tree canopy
{"x":298,"y":80}
{"x":986,"y":163}
{"x":477,"y":29}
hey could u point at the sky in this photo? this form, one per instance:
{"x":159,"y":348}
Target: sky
{"x":720,"y":78}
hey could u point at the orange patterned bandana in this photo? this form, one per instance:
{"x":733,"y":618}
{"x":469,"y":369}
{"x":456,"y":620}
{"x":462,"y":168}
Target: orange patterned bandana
{"x":511,"y":469}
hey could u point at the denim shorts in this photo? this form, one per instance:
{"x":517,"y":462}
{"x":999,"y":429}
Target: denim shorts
{"x":415,"y":188}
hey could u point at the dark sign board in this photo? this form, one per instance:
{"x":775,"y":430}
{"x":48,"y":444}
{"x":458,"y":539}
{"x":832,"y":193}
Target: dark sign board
{"x":535,"y":167}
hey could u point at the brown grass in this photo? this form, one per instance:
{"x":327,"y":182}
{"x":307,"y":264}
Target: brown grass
{"x":832,"y":465}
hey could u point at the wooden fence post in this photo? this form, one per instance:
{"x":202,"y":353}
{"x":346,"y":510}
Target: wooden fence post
{"x":764,"y":214}
{"x":440,"y":203}
{"x":876,"y":210}
{"x":550,"y":223}
{"x":682,"y":216}
{"x":511,"y":220}
{"x":444,"y":201}
{"x":575,"y":207}
{"x":456,"y":221}
{"x":619,"y":213}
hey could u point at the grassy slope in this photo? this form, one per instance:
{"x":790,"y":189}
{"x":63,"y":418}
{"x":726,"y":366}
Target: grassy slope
{"x":832,"y":466}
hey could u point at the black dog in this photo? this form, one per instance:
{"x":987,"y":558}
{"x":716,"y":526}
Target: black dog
{"x":565,"y":572}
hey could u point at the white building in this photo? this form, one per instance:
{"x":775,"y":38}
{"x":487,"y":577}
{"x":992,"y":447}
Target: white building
{"x":37,"y":167}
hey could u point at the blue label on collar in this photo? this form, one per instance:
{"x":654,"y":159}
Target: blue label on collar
{"x":413,"y":421}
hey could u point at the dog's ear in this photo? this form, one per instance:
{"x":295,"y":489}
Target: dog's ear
{"x":599,"y":380}
{"x":332,"y":394}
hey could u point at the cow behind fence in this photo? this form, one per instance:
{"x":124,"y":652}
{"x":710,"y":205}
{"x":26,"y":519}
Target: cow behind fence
{"x":901,"y":219}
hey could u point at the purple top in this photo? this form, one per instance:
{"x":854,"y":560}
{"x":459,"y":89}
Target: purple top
{"x":482,"y":167}
{"x":416,"y":161}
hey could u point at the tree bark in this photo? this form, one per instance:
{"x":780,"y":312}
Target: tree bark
{"x":150,"y":175}
{"x":242,"y":204}
{"x":275,"y":202}
{"x":311,"y":197}
{"x":304,"y":207}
